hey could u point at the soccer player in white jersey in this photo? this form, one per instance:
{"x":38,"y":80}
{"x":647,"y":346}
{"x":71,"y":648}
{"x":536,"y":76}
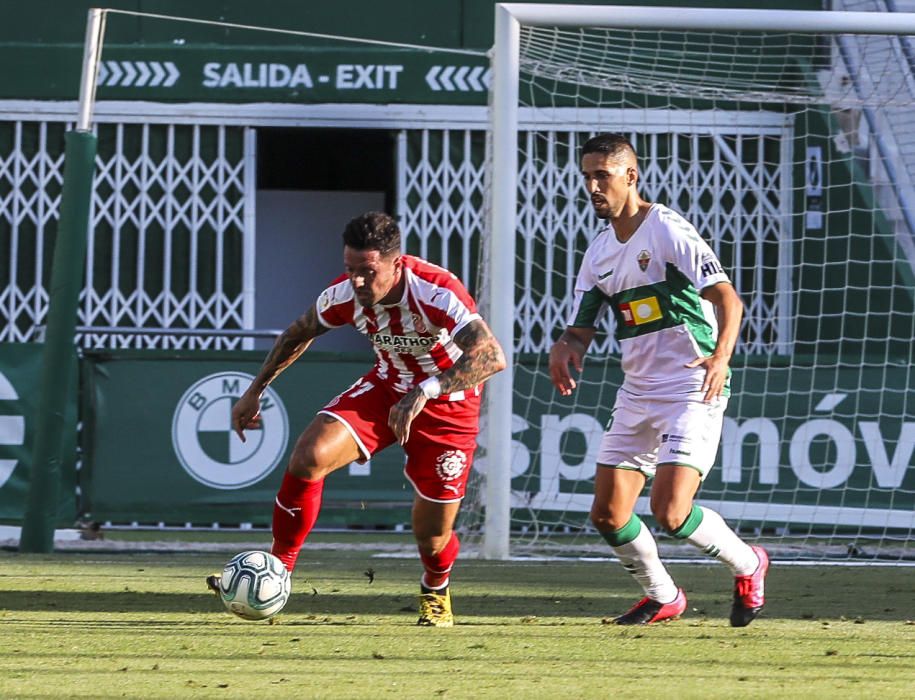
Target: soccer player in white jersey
{"x":433,"y":352}
{"x":677,"y":321}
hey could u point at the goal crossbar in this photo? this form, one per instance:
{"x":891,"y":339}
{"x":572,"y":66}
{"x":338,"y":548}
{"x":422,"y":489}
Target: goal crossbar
{"x":702,"y":18}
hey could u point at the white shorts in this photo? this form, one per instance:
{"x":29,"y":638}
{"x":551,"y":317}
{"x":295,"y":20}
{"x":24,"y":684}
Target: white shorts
{"x":644,"y":431}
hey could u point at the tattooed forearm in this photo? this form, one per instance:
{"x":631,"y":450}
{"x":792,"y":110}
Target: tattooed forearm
{"x":482,"y":358}
{"x":289,"y":346}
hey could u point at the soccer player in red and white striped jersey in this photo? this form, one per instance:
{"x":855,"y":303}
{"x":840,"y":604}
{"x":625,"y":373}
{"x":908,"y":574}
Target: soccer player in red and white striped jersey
{"x":433,"y":352}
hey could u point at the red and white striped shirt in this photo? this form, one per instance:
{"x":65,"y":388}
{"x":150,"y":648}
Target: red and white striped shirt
{"x":412,"y":337}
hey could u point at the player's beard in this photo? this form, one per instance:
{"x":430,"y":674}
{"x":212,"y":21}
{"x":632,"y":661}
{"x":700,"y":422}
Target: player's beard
{"x":601,"y":207}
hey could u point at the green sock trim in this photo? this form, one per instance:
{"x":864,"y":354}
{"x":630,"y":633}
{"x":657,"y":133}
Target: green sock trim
{"x":625,"y":534}
{"x":689,"y":525}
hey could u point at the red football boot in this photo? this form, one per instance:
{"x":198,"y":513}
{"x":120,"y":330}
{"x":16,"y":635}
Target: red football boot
{"x":749,"y":592}
{"x":647,"y":611}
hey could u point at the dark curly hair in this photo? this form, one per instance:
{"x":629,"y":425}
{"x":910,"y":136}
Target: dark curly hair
{"x":373,"y":230}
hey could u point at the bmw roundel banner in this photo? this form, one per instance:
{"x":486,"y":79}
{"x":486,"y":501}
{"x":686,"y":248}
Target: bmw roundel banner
{"x":160,"y":444}
{"x":208,"y":448}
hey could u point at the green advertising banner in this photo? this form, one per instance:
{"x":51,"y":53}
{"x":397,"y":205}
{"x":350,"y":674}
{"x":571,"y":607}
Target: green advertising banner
{"x":829,"y":446}
{"x":20,"y":367}
{"x":162,"y":448}
{"x":826,"y":446}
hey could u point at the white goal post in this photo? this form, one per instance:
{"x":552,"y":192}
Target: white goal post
{"x":501,"y":260}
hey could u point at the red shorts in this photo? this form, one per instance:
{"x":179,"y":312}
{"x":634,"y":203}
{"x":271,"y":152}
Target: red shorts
{"x":443,"y":437}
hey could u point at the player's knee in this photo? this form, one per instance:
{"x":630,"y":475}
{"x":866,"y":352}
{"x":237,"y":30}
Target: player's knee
{"x":309,"y":461}
{"x":429,"y":544}
{"x":669,"y":516}
{"x":605,"y":520}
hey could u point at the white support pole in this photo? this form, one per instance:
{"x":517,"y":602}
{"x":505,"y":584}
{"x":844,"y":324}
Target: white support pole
{"x":249,"y":236}
{"x":92,"y":54}
{"x":784,"y":285}
{"x":504,"y":198}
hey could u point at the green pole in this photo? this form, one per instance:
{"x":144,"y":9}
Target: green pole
{"x":66,"y":283}
{"x":57,"y":360}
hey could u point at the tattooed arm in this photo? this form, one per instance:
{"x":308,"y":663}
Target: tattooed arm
{"x":482,"y":358}
{"x":287,"y":349}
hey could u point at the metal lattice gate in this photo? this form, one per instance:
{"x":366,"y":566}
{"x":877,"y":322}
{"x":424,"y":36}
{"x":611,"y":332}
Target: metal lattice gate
{"x":733,"y":182}
{"x":441,"y":202}
{"x":170,"y":231}
{"x":172,"y":243}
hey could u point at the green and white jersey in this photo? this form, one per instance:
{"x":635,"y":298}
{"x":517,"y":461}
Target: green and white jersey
{"x":651,"y":283}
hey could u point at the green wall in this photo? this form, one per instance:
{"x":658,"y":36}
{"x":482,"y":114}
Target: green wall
{"x":854,"y":292}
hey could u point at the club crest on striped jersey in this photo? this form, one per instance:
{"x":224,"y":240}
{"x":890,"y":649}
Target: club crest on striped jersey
{"x":451,"y":464}
{"x":643,"y":258}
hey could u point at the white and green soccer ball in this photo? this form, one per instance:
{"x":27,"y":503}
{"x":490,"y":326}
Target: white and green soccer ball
{"x":254,"y":585}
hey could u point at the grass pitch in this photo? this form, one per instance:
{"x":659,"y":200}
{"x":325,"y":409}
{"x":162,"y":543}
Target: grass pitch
{"x":100,"y":625}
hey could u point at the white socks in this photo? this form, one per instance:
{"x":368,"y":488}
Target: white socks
{"x":640,"y":558}
{"x":716,"y":539}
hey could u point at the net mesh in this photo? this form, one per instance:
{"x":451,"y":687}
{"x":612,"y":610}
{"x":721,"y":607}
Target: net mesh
{"x":793,"y":156}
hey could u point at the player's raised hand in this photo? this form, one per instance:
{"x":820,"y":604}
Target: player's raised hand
{"x":716,"y":374}
{"x":246,"y":413}
{"x":403,"y":412}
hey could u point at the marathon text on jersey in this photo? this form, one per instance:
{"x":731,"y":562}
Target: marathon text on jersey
{"x":403,"y":343}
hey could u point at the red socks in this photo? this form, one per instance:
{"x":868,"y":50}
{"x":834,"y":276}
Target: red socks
{"x":438,"y":566}
{"x":295,"y":510}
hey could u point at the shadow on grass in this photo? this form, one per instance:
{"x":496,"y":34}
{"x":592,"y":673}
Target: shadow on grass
{"x":355,"y":584}
{"x":301,"y":603}
{"x":337,"y":608}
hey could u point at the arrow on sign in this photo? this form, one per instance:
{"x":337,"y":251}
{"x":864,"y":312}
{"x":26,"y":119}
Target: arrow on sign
{"x":460,"y":78}
{"x":173,"y":74}
{"x":144,"y":74}
{"x":158,"y":74}
{"x":478,"y":74}
{"x":445,"y":78}
{"x":137,"y":74}
{"x":129,"y":73}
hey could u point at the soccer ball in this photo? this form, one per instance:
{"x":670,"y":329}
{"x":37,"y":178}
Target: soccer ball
{"x":254,"y":585}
